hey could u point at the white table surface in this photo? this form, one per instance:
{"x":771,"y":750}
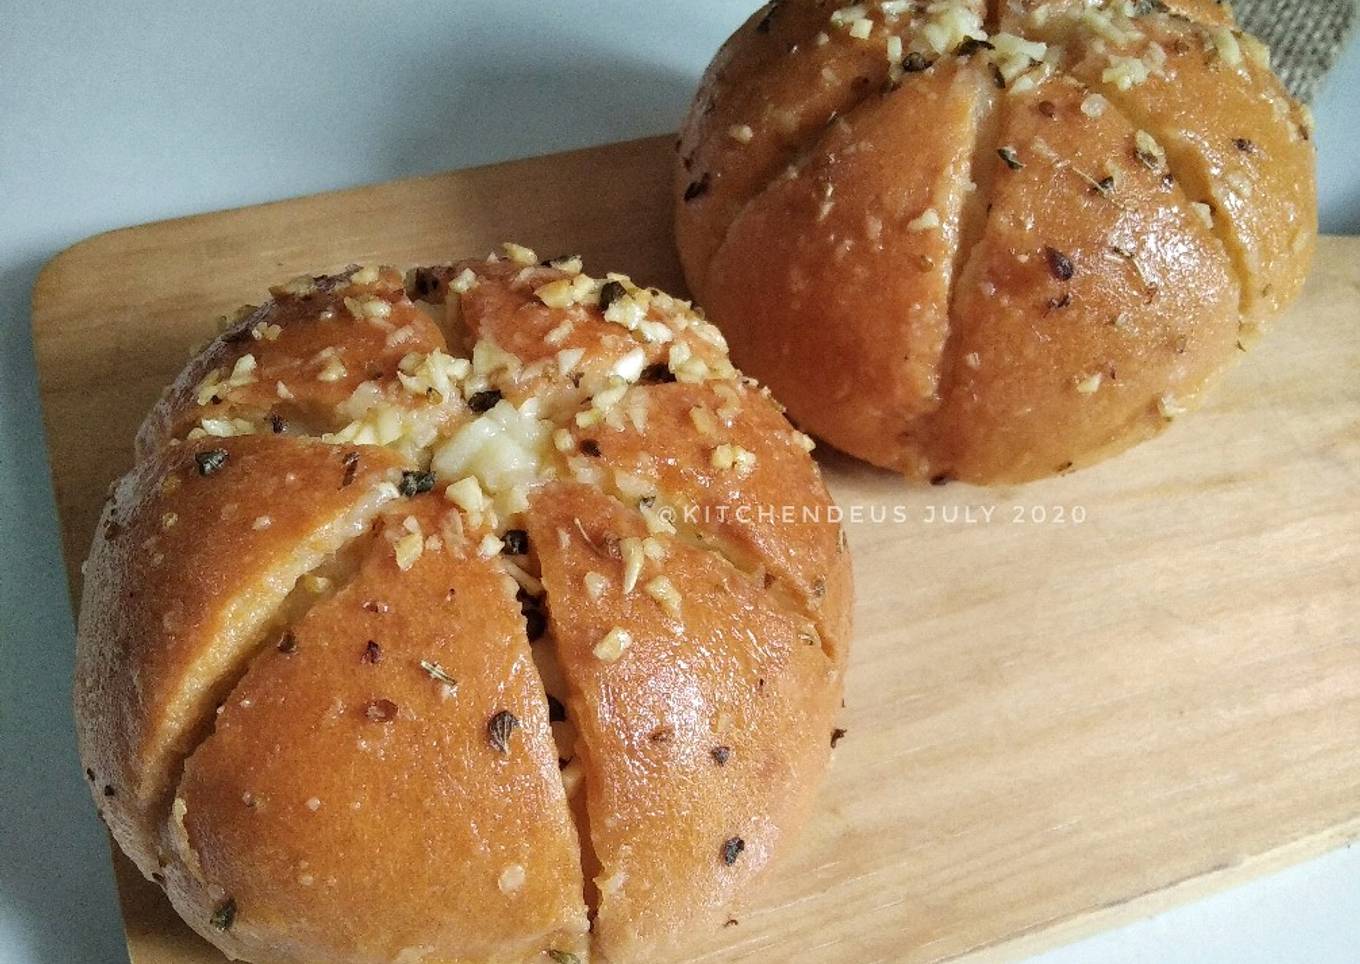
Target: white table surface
{"x":115,"y":114}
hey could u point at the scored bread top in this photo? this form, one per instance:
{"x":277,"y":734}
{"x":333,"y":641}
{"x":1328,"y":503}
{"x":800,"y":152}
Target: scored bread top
{"x":296,"y":361}
{"x":365,"y":731}
{"x":197,"y":553}
{"x":672,"y":777}
{"x":867,"y":196}
{"x":329,"y":665}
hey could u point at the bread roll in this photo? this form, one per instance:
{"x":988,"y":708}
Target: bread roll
{"x":463,"y":641}
{"x":992,"y":242}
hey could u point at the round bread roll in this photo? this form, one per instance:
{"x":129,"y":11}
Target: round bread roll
{"x":462,"y":641}
{"x":992,"y":242}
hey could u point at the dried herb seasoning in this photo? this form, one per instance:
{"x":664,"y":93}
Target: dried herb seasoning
{"x":351,"y":463}
{"x":914,"y":63}
{"x":109,"y":791}
{"x":611,"y":292}
{"x":972,"y":45}
{"x":721,"y":754}
{"x":1012,"y":159}
{"x":590,"y":447}
{"x":380,"y":710}
{"x":277,"y":423}
{"x":837,"y":735}
{"x":515,"y":542}
{"x":1059,"y":264}
{"x":437,"y":672}
{"x":1105,"y":186}
{"x":998,"y":78}
{"x":499,"y":729}
{"x":484,"y":401}
{"x":210,"y":461}
{"x":1244,"y":145}
{"x":698,"y":189}
{"x":414,"y":483}
{"x":731,"y":850}
{"x":1058,"y":303}
{"x":372,"y":652}
{"x":287,"y":643}
{"x":224,"y":915}
{"x":563,"y":957}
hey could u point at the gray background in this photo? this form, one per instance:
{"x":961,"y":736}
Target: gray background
{"x":118,"y":113}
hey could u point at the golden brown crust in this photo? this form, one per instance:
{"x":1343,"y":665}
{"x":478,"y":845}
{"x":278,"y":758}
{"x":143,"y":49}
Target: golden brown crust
{"x":753,"y":519}
{"x":1048,"y":371}
{"x":306,"y":351}
{"x":702,"y":741}
{"x":1238,"y":143}
{"x":842,"y":257}
{"x":303,"y":795}
{"x":347,"y":719}
{"x":186,"y":572}
{"x":743,"y":88}
{"x":870,"y":175}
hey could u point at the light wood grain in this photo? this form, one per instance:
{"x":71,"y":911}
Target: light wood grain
{"x":1053,"y":727}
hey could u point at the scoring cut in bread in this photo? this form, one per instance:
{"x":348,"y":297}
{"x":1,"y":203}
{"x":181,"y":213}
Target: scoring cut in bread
{"x":992,"y":242}
{"x":516,"y":636}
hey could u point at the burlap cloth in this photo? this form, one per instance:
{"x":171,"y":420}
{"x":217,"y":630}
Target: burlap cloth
{"x":1304,"y":36}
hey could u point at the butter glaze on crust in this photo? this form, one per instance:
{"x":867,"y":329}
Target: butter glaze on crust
{"x":415,"y":640}
{"x":667,"y":727}
{"x":992,"y":242}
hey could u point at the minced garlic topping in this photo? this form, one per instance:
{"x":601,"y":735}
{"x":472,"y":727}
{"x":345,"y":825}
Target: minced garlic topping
{"x":927,"y":220}
{"x":483,"y":428}
{"x":611,"y":647}
{"x":1169,"y":407}
{"x":1090,"y":384}
{"x":915,"y":33}
{"x":219,"y":383}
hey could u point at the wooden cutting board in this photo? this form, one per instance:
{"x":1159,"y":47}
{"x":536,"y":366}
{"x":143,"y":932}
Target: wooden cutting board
{"x":1071,"y":703}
